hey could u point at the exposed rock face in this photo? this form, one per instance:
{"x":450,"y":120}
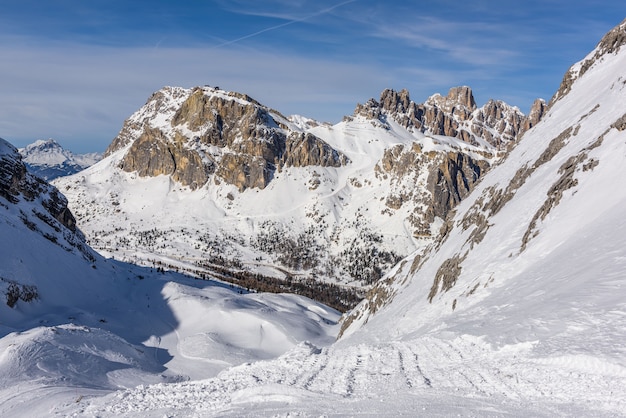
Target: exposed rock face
{"x":42,"y":208}
{"x":152,"y":155}
{"x":245,"y":171}
{"x":192,"y":134}
{"x":16,"y":183}
{"x":12,"y":174}
{"x":303,"y":149}
{"x":454,"y":115}
{"x":450,"y":177}
{"x":537,"y":110}
{"x":451,"y":181}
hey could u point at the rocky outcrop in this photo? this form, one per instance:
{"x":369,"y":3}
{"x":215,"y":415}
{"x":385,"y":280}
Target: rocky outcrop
{"x":245,"y":171}
{"x":152,"y":154}
{"x":12,"y":174}
{"x":450,"y":178}
{"x":193,"y":134}
{"x":451,"y":174}
{"x":233,"y":121}
{"x":451,"y":181}
{"x":162,"y":103}
{"x":455,"y":115}
{"x":537,"y":111}
{"x":303,"y":149}
{"x":497,"y":124}
{"x":459,"y":102}
{"x":16,"y":183}
{"x":42,"y":208}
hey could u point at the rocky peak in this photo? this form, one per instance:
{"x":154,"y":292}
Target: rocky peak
{"x":194,"y":134}
{"x":455,"y":115}
{"x":462,"y":95}
{"x":395,"y":102}
{"x":49,"y":160}
{"x":369,"y":110}
{"x":457,"y":97}
{"x":42,"y":145}
{"x":537,"y":110}
{"x":498,"y":123}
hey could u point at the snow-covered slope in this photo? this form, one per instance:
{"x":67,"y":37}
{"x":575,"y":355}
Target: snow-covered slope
{"x":213,"y":180}
{"x":73,"y":324}
{"x":49,"y":160}
{"x":518,"y":309}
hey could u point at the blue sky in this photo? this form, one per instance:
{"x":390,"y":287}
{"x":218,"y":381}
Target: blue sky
{"x":73,"y":70}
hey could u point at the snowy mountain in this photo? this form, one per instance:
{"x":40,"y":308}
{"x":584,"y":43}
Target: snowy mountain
{"x":74,"y":325}
{"x":49,"y":160}
{"x":217,"y":183}
{"x":516,"y":309}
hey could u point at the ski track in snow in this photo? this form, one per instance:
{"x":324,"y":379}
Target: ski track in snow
{"x":421,"y":371}
{"x":543,"y":336}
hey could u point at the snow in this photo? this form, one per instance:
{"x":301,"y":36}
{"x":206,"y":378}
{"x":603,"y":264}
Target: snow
{"x":535,"y":330}
{"x":49,"y":160}
{"x":104,"y":325}
{"x":335,"y":202}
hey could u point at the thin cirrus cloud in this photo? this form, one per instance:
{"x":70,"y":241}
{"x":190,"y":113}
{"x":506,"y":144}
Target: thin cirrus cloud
{"x":75,"y":70}
{"x":53,"y":91}
{"x":449,"y":41}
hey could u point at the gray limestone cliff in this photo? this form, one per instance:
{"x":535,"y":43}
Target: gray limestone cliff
{"x":208,"y":131}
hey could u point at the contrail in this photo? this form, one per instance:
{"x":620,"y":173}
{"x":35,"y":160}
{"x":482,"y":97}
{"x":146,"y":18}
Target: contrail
{"x":282,"y":25}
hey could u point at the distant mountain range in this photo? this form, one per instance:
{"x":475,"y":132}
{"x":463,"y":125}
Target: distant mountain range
{"x":49,"y":160}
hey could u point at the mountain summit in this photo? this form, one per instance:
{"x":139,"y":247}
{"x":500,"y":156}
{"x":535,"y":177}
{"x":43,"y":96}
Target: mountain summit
{"x":49,"y":160}
{"x":193,"y":133}
{"x":223,"y":183}
{"x":456,"y":115}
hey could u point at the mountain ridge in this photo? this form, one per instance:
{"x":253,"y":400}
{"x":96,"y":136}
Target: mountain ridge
{"x":318,"y":186}
{"x":491,"y":198}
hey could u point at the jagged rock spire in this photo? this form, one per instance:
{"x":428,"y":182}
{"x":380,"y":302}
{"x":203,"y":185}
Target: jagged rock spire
{"x":455,"y":115}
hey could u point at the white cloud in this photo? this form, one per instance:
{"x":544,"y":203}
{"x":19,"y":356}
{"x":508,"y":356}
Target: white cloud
{"x":83,"y":93}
